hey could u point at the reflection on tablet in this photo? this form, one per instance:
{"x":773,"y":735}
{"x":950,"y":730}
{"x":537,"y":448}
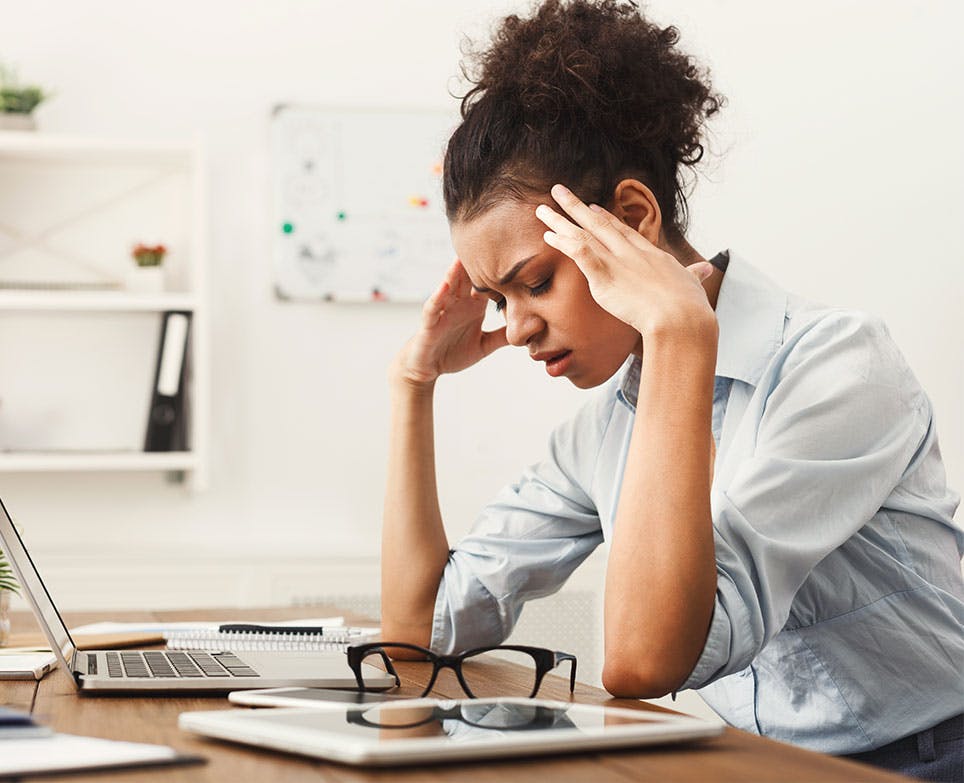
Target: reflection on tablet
{"x":428,"y":730}
{"x":464,"y":720}
{"x":461,"y":720}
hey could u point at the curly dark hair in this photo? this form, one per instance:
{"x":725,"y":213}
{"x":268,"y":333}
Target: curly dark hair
{"x":586,"y":93}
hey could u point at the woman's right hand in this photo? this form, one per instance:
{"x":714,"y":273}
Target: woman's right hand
{"x":450,"y":337}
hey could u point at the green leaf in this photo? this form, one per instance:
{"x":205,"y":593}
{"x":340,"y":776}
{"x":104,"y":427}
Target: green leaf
{"x":20,"y":100}
{"x":7,"y":579}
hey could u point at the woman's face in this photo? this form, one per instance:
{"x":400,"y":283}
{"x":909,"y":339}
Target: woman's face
{"x":544,"y":297}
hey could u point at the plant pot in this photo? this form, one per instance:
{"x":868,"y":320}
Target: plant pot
{"x":10,"y":120}
{"x":145,"y":279}
{"x":4,"y":617}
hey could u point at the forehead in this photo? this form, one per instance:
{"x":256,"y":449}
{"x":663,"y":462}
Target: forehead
{"x":491,"y":243}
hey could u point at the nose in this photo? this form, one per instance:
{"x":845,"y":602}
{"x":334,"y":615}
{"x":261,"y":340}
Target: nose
{"x":521,"y":325}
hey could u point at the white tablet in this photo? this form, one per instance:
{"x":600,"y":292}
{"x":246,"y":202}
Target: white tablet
{"x":422,"y":731}
{"x":318,"y":698}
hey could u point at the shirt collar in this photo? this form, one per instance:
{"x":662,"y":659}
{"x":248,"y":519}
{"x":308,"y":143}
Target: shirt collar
{"x":751,"y":310}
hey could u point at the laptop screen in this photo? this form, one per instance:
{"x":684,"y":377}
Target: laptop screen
{"x":35,"y":591}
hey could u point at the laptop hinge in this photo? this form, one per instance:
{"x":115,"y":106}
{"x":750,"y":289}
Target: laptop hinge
{"x":75,"y":666}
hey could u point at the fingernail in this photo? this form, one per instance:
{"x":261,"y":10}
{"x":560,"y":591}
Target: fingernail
{"x":561,"y":188}
{"x":595,"y":208}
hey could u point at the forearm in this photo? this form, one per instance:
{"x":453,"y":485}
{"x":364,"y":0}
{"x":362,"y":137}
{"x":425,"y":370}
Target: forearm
{"x":661,"y":576}
{"x":414,"y":546}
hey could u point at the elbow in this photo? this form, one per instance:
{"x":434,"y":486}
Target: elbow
{"x":407,"y":633}
{"x":637,"y":679}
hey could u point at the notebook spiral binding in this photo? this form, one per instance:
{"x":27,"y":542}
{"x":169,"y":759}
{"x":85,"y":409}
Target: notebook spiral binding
{"x":330,"y":639}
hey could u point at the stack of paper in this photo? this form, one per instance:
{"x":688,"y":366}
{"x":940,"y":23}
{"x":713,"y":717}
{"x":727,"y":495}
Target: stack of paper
{"x":27,"y":748}
{"x":68,"y":752}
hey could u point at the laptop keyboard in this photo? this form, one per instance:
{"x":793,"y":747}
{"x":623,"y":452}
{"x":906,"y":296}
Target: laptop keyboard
{"x":165,"y":665}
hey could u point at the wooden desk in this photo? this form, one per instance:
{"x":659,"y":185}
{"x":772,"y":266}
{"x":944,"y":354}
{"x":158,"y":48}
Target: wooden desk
{"x":735,"y":756}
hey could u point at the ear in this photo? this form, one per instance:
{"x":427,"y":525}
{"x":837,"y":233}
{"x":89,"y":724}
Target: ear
{"x":636,"y":206}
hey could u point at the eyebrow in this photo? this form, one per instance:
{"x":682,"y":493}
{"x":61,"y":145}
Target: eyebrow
{"x":507,"y":278}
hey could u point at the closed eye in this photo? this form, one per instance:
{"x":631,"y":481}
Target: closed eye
{"x":544,"y":286}
{"x":536,"y":290}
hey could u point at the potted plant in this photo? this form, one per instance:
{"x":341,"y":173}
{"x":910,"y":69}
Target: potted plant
{"x":17,"y":102}
{"x":147,"y":274}
{"x":8,"y":586}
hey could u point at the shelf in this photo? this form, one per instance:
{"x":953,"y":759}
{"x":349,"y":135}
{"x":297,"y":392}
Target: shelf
{"x":74,"y":204}
{"x":11,"y":462}
{"x":107,"y":301}
{"x":61,"y":147}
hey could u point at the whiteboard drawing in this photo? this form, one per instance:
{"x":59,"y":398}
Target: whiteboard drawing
{"x":358,"y":213}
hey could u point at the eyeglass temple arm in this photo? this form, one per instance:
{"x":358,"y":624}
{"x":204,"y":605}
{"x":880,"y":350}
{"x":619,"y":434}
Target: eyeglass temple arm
{"x":560,"y":657}
{"x":389,"y":668}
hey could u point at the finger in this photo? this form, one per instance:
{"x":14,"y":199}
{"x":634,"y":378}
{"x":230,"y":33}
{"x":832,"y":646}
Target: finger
{"x":457,"y":278}
{"x":596,"y":223}
{"x":561,"y":225}
{"x":630,"y":234}
{"x":435,"y":305}
{"x":577,"y":243}
{"x":701,"y":270}
{"x":590,"y":256}
{"x":492,"y":341}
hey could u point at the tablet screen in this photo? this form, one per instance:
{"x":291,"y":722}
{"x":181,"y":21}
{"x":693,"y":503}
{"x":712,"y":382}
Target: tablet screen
{"x":432,"y":730}
{"x":463,"y":721}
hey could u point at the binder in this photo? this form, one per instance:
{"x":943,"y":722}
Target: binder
{"x":166,"y":421}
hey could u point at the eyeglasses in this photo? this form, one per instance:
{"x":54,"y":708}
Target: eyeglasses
{"x":481,"y":671}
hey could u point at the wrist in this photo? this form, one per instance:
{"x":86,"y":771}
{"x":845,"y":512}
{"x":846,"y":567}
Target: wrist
{"x":401,"y":376}
{"x":400,"y":382}
{"x":700,"y":332}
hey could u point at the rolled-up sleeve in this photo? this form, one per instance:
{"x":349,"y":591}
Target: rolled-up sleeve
{"x":524,"y":544}
{"x":839,"y":418}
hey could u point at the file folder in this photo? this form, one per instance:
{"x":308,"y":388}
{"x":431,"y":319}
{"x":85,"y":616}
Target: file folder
{"x":166,"y":425}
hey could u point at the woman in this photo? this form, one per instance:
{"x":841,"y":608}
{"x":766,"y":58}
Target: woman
{"x":764,"y":470}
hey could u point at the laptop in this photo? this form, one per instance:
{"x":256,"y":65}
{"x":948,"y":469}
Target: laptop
{"x":126,"y":671}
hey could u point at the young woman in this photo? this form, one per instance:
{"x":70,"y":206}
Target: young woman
{"x":764,"y":470}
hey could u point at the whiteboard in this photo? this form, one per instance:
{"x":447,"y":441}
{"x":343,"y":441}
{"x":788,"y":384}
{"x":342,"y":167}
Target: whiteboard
{"x":358,"y":213}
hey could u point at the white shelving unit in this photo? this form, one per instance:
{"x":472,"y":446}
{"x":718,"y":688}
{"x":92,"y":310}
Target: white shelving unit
{"x":77,"y":349}
{"x":117,"y":301}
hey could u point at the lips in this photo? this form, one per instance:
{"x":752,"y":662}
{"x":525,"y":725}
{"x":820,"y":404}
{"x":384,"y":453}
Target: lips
{"x":548,"y":356}
{"x":557,"y":362}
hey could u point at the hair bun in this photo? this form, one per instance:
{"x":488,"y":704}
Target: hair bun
{"x":597,"y":80}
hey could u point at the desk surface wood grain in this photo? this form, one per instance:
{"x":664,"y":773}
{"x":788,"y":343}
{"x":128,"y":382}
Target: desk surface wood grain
{"x":735,"y":756}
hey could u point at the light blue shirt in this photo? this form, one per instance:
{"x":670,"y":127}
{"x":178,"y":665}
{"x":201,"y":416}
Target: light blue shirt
{"x":839,"y":615}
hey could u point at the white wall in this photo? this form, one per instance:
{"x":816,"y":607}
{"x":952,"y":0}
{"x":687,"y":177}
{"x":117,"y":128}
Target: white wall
{"x":842,"y":178}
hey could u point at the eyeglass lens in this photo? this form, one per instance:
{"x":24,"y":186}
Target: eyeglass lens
{"x":484,"y":677}
{"x":482,"y":673}
{"x":374,"y":658}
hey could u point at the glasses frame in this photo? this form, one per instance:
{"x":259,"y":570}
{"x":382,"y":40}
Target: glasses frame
{"x":545,"y":660}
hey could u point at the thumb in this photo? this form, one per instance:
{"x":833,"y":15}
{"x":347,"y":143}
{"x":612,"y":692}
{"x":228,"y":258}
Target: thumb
{"x":492,"y":341}
{"x":701,"y":270}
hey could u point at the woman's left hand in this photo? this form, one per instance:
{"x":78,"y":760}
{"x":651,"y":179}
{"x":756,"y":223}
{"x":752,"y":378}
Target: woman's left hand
{"x":628,"y":275}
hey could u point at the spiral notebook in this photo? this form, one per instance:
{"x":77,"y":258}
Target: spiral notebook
{"x":241,"y":638}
